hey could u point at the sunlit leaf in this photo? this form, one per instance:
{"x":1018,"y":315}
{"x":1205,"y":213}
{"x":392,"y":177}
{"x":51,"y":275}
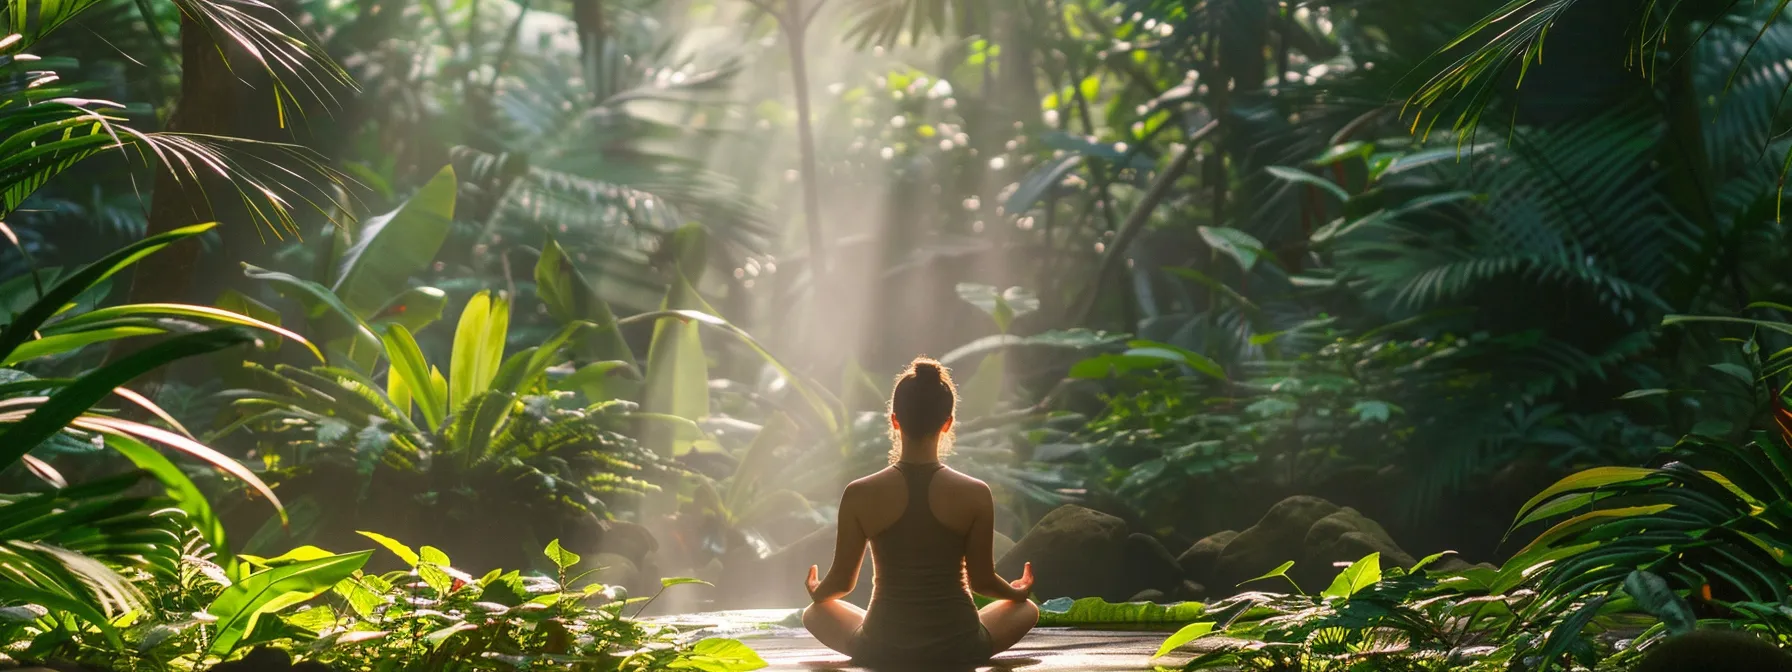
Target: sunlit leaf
{"x":241,"y":605}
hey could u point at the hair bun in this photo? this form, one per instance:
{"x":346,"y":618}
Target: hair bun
{"x":927,"y":370}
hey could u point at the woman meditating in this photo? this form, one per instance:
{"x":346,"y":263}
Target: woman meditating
{"x":931,"y":531}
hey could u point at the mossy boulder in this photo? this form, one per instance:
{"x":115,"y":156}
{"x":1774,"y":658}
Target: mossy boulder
{"x":1000,"y":546}
{"x":1076,"y":552}
{"x":1198,"y":561}
{"x":1316,"y":534}
{"x":1347,"y":535}
{"x":1150,"y":566}
{"x":1276,"y":538}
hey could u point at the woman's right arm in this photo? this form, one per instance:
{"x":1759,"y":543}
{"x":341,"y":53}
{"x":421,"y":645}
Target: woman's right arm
{"x":849,"y":552}
{"x":979,"y":556}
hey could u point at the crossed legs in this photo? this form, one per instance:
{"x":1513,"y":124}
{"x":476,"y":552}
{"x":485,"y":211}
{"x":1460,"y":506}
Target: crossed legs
{"x":834,"y":623}
{"x":1007,"y":621}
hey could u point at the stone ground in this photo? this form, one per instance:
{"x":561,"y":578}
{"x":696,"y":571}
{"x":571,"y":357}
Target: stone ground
{"x":791,"y":649}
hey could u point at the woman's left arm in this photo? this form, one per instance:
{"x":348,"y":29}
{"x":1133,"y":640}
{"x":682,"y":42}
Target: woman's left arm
{"x":849,"y":553}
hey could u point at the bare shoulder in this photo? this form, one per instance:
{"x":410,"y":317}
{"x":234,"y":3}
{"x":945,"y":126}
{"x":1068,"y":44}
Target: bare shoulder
{"x":964,"y":484}
{"x":871,"y":486}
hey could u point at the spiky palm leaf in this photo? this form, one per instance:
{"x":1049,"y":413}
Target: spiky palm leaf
{"x":59,"y":549}
{"x":48,"y":126}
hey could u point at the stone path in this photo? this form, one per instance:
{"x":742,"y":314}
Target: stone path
{"x":791,"y":649}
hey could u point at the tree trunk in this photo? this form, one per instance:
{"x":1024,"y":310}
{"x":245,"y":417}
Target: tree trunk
{"x":206,"y":106}
{"x":588,"y":17}
{"x":796,"y":34}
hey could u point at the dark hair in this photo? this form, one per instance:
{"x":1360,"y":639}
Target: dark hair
{"x":923,"y":400}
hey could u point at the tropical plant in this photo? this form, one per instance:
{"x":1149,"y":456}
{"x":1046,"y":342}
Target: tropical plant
{"x":48,"y":125}
{"x":490,"y":433}
{"x":360,"y":279}
{"x":587,"y":129}
{"x":324,"y":607}
{"x":63,"y":550}
{"x":1707,"y":523}
{"x":1369,"y":618}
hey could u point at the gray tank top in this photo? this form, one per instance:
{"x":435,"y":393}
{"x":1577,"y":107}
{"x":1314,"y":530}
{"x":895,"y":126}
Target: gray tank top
{"x":920,"y":603}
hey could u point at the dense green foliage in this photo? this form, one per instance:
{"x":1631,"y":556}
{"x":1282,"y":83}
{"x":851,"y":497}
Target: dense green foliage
{"x":576,"y":265}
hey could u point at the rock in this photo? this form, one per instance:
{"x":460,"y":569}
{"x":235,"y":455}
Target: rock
{"x":1148,"y":595}
{"x":627,"y":540}
{"x":260,"y":658}
{"x":1276,"y":538}
{"x":1319,"y":536}
{"x":1189,"y":591}
{"x":1344,"y":537}
{"x":1455,"y":565}
{"x":1149,"y":566}
{"x":268,"y":659}
{"x":1715,"y":651}
{"x":1449,"y":564}
{"x":1076,"y":552}
{"x":1000,"y":546}
{"x":1197,"y":562}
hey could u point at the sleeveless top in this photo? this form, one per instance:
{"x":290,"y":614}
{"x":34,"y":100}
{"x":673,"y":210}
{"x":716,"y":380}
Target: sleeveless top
{"x":921,"y":608}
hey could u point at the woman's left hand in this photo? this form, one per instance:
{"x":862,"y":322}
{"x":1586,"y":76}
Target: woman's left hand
{"x":814,"y":581}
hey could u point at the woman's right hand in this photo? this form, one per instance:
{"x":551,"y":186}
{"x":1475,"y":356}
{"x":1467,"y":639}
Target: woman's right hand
{"x":813,"y":582}
{"x":1023,"y":586}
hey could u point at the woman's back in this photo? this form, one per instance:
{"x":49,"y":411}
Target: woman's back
{"x":931,"y":531}
{"x":920,"y":606}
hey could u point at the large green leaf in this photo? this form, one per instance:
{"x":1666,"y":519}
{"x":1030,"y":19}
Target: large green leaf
{"x":241,"y":605}
{"x":604,"y":381}
{"x":522,"y":371}
{"x":983,"y":391}
{"x":1654,"y":596}
{"x":388,"y":249}
{"x":58,"y":344}
{"x":415,"y":308}
{"x":408,"y":365}
{"x":405,"y":553}
{"x":1299,"y":176}
{"x":1065,"y":612}
{"x":570,"y":297}
{"x":825,"y":408}
{"x":72,"y":401}
{"x":1589,"y":479}
{"x":21,"y":593}
{"x":1187,"y":634}
{"x":181,"y":489}
{"x":1575,"y":525}
{"x":80,"y":322}
{"x":1361,"y":574}
{"x":759,"y":461}
{"x":26,"y":325}
{"x":677,"y":369}
{"x":1240,"y":246}
{"x":331,"y":318}
{"x":137,"y":430}
{"x":478,"y":348}
{"x":478,"y":423}
{"x":562,"y":558}
{"x":241,"y":304}
{"x":719,"y":655}
{"x":1003,"y":306}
